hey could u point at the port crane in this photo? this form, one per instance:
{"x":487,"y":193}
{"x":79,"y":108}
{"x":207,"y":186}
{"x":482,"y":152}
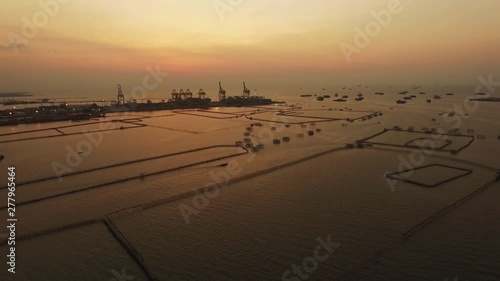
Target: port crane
{"x":246,"y":92}
{"x":175,"y":95}
{"x":222,"y":92}
{"x":188,"y":94}
{"x":181,"y":94}
{"x":201,"y":94}
{"x":120,"y":97}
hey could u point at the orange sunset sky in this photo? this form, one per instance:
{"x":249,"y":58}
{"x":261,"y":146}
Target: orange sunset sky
{"x":87,"y":47}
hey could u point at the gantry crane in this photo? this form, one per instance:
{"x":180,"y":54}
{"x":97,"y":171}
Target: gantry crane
{"x":246,"y":92}
{"x":120,"y":97}
{"x":175,"y":95}
{"x":222,"y":92}
{"x":201,"y":94}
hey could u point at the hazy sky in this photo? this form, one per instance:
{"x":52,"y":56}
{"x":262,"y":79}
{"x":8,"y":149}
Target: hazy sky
{"x":87,"y":47}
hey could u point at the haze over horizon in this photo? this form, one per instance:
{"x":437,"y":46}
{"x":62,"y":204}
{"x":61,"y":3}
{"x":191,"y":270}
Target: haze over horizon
{"x":89,"y":47}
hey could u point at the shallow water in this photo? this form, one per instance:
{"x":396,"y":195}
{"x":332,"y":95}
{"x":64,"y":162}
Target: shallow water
{"x":273,"y":211}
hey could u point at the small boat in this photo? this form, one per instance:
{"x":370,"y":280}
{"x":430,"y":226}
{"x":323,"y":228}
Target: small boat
{"x":1,"y":157}
{"x":305,"y":96}
{"x":359,"y":99}
{"x":422,"y":93}
{"x":345,"y":96}
{"x":407,"y":98}
{"x":320,"y":98}
{"x":437,"y":97}
{"x":400,"y":101}
{"x":413,"y":96}
{"x":276,"y":141}
{"x":429,"y":101}
{"x":311,"y":133}
{"x":379,"y":93}
{"x":326,"y":96}
{"x":450,"y":94}
{"x":286,"y":139}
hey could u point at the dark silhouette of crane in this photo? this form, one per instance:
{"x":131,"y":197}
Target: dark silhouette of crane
{"x":120,"y":97}
{"x":201,"y":94}
{"x":246,"y":92}
{"x":175,"y":95}
{"x":222,"y":92}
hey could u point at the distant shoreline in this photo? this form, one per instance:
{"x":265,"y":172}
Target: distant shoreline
{"x":15,"y":95}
